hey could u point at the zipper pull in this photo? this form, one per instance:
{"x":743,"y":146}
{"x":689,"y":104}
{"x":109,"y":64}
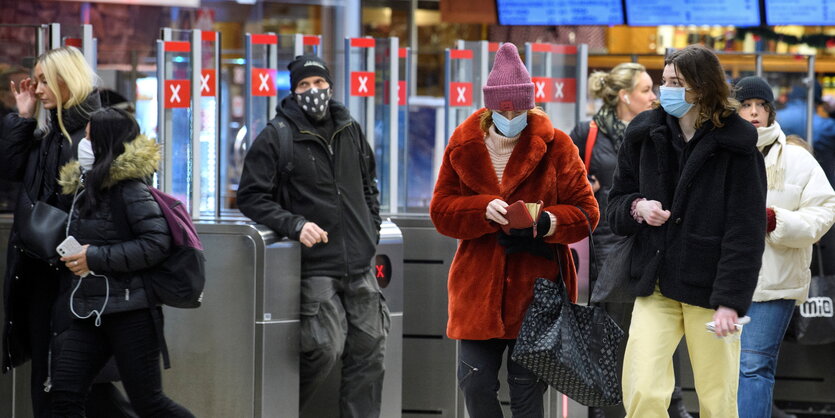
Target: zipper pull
{"x":127,"y":294}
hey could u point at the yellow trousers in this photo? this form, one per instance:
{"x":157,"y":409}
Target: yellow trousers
{"x":658,"y":323}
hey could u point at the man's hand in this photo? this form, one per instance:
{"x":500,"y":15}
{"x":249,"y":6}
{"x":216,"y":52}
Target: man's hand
{"x":496,"y":211}
{"x":725,"y":320}
{"x":652,"y":212}
{"x":311,"y":235}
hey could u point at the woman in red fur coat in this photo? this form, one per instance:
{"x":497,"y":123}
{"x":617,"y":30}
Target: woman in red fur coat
{"x":507,"y":152}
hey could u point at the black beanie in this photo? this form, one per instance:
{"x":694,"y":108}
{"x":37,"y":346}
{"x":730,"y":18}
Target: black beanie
{"x":306,"y":66}
{"x":753,"y":87}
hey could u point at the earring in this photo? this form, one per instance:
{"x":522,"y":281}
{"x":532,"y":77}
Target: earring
{"x":626,"y":99}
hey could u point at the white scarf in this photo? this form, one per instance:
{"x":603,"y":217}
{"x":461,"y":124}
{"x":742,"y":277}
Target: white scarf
{"x":774,"y":169}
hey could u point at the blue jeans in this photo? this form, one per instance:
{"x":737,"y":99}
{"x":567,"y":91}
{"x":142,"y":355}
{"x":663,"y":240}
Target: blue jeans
{"x":478,"y":369}
{"x":761,"y":340}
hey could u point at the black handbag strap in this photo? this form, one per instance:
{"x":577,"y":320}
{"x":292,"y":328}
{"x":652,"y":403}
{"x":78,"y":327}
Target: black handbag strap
{"x":592,"y":254}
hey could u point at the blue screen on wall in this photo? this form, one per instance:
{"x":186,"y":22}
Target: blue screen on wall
{"x":693,"y":12}
{"x":559,"y":12}
{"x":800,"y":12}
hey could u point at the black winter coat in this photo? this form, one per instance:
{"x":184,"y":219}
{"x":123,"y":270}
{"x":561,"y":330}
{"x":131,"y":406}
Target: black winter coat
{"x":327,"y":187}
{"x":125,"y":239}
{"x":709,"y":252}
{"x":604,"y":159}
{"x":32,"y":157}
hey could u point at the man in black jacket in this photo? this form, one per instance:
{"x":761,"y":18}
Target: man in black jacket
{"x":327,"y":200}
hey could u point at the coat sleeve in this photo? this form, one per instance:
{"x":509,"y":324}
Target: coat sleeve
{"x":815,"y":213}
{"x":257,"y":189}
{"x":625,"y":185}
{"x":152,"y":238}
{"x":744,"y":239}
{"x":372,"y":193}
{"x":574,"y":193}
{"x":455,"y":214}
{"x":17,"y":137}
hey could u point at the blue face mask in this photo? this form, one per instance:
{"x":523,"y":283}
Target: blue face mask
{"x":673,"y":102}
{"x":510,"y":127}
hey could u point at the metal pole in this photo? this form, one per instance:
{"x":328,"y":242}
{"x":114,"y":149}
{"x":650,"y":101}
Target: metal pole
{"x":582,"y":82}
{"x":394,"y":137}
{"x":162,"y":174}
{"x":248,"y":119}
{"x":54,"y":35}
{"x":759,"y":64}
{"x":196,"y":122}
{"x":447,"y":93}
{"x":88,"y":47}
{"x":272,"y":57}
{"x":370,"y":132}
{"x":218,"y":147}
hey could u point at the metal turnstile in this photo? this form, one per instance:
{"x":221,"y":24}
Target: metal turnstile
{"x":388,"y":267}
{"x":238,"y":354}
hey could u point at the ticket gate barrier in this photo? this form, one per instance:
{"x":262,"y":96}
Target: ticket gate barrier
{"x":388,"y":269}
{"x":459,"y":86}
{"x":376,"y":95}
{"x":559,"y":74}
{"x":484,"y":53}
{"x":238,"y":354}
{"x":80,"y":37}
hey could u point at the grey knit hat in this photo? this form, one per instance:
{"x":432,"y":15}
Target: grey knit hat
{"x":753,"y":87}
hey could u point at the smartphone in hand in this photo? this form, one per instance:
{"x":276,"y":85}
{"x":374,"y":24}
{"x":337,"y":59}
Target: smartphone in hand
{"x":69,"y":246}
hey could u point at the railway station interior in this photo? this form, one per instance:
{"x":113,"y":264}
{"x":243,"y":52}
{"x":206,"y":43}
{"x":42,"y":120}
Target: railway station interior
{"x":203,"y":78}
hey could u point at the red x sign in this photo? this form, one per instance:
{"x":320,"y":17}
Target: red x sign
{"x":542,"y":89}
{"x":263,"y":82}
{"x":177,"y":94}
{"x":565,"y":90}
{"x":460,"y":94}
{"x":362,"y":84}
{"x":208,"y":83}
{"x":401,"y":93}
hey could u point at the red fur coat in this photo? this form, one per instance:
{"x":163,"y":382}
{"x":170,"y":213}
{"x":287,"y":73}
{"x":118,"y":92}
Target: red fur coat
{"x":489,"y":291}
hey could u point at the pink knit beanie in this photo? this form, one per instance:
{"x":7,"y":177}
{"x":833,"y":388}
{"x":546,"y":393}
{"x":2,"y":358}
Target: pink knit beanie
{"x":509,"y":85}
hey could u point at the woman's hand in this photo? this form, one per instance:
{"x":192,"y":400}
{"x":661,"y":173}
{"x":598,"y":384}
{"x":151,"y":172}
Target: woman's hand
{"x":652,"y":212}
{"x":496,"y":211}
{"x":25,"y":97}
{"x":77,"y":263}
{"x":724,"y":320}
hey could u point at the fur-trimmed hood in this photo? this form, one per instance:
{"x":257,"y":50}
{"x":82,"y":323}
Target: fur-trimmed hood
{"x":139,"y":161}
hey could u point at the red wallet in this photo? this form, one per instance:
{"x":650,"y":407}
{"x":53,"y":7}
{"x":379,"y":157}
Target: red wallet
{"x":521,"y":215}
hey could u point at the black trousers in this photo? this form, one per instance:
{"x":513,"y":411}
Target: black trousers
{"x":131,"y":338}
{"x":478,"y":370}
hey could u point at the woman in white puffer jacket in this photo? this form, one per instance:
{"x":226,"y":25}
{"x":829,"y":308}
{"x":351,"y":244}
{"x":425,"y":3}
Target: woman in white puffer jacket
{"x":800,"y":209}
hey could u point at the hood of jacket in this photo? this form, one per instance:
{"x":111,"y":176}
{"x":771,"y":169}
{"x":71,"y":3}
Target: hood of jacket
{"x":139,"y":161}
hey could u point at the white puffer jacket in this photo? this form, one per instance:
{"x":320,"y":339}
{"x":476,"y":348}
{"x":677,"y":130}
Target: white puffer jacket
{"x":805,"y":209}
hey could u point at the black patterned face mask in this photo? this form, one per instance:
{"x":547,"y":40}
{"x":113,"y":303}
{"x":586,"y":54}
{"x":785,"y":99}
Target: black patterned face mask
{"x":314,"y":102}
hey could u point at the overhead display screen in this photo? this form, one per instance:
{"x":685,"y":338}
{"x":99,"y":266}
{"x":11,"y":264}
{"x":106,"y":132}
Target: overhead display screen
{"x":559,"y":12}
{"x":800,"y":12}
{"x":693,"y":12}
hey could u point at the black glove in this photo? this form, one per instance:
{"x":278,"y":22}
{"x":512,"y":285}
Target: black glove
{"x":543,"y":224}
{"x":517,"y":244}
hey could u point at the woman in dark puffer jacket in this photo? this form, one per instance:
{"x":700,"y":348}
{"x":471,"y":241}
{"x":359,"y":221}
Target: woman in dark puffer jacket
{"x":121,"y":242}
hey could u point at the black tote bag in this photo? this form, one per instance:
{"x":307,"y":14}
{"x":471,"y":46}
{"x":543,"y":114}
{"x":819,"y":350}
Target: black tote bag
{"x":40,"y":230}
{"x":813,"y":322}
{"x":573,"y":348}
{"x":614,"y":284}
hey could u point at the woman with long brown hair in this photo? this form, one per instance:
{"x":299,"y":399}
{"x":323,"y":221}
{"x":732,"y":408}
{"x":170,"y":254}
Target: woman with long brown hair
{"x":691,"y":185}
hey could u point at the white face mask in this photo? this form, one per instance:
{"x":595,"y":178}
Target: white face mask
{"x":85,"y":154}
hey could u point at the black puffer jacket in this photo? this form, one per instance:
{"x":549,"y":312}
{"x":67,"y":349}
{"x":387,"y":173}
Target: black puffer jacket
{"x":604,"y":159}
{"x":32,"y":157}
{"x":709,"y":251}
{"x":122,"y":259}
{"x":327,"y":187}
